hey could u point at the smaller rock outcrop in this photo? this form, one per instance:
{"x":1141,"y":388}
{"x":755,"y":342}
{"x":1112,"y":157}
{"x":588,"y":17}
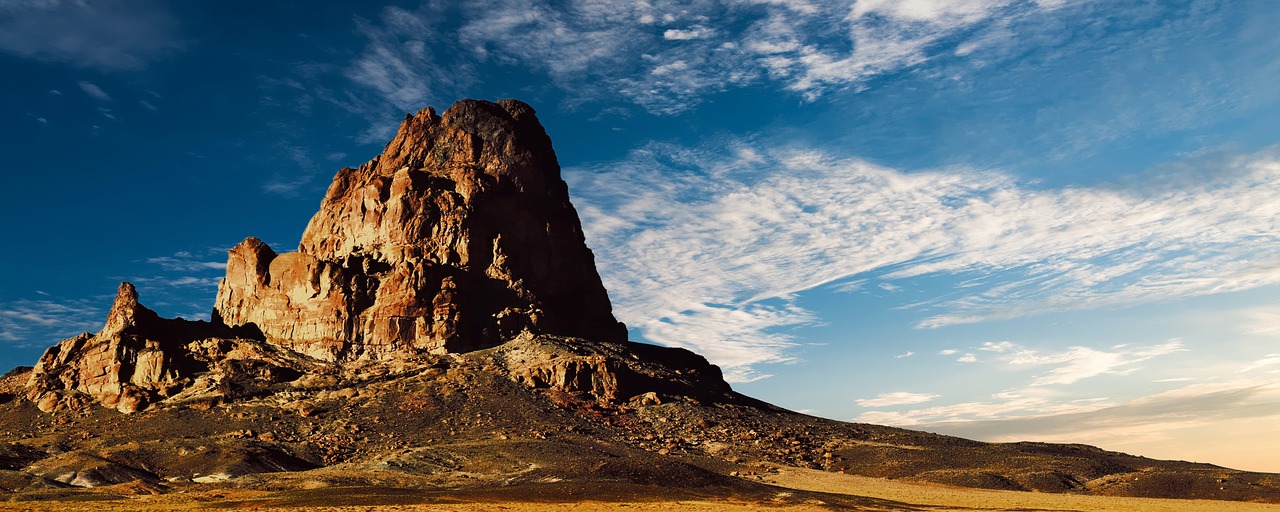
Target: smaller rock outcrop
{"x":137,"y":358}
{"x":611,"y":373}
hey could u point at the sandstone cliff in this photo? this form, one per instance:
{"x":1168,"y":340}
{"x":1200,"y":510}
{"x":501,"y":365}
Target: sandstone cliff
{"x":459,"y":236}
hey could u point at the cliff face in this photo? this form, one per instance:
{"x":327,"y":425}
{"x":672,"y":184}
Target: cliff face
{"x":459,"y":236}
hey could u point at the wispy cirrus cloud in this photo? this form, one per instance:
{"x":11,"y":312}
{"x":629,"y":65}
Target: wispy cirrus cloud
{"x":159,"y":283}
{"x":706,"y":248}
{"x":402,"y":60}
{"x":102,"y":34}
{"x":994,"y":421}
{"x":896,"y":398}
{"x":668,"y":56}
{"x":1169,"y":424}
{"x":36,"y":323}
{"x":186,"y":262}
{"x":94,"y":91}
{"x":1078,"y":363}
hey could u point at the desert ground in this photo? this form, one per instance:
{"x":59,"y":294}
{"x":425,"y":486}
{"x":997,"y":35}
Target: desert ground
{"x":796,"y":489}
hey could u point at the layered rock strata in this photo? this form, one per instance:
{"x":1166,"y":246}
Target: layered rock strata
{"x":459,"y":236}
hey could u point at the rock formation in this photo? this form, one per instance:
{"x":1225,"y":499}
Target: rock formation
{"x":459,"y":236}
{"x":135,"y":359}
{"x":441,"y":331}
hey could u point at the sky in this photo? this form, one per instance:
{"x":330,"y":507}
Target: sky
{"x":1048,"y":220}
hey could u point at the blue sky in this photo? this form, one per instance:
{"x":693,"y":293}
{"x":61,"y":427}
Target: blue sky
{"x":1007,"y":220}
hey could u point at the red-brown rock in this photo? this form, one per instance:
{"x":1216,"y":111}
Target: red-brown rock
{"x":459,"y":236}
{"x":135,"y":358}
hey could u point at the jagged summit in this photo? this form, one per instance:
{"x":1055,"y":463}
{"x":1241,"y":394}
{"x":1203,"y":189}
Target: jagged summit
{"x":126,"y":312}
{"x":460,"y":235}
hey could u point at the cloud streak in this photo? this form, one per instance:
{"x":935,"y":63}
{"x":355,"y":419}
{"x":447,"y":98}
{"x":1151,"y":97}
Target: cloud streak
{"x":94,"y":91}
{"x":1078,"y":363}
{"x":1246,"y":407}
{"x":36,"y":323}
{"x":668,"y":56}
{"x":706,"y":248}
{"x":896,"y":398}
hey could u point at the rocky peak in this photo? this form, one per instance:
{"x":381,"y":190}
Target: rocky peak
{"x":126,"y":313}
{"x":459,"y":236}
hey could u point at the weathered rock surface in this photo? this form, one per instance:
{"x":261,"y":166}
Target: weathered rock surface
{"x":139,"y":358}
{"x":134,"y":359}
{"x":458,"y":237}
{"x":612,"y":372}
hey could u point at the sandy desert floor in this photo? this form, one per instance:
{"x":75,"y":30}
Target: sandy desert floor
{"x":868,"y":494}
{"x":937,"y":497}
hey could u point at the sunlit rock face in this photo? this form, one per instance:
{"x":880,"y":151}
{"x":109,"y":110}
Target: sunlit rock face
{"x":459,"y":236}
{"x":135,"y":359}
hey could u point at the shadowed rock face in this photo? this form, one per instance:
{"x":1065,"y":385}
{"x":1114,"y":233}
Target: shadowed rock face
{"x":459,"y":236}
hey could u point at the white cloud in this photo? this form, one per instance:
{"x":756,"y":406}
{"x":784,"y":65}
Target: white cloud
{"x":399,"y":65}
{"x":1261,"y":321}
{"x":599,"y":49}
{"x":967,"y":358}
{"x":104,"y":34}
{"x":94,"y":91}
{"x":1023,"y":412}
{"x":159,"y":283}
{"x":183,"y":262}
{"x":896,"y":398}
{"x":1079,"y":363}
{"x":673,"y":34}
{"x":291,"y":184}
{"x":287,"y":186}
{"x":948,"y":352}
{"x":1170,"y":424}
{"x":706,"y":248}
{"x":1001,"y":347}
{"x":904,"y":355}
{"x":934,"y":12}
{"x":39,"y":323}
{"x":1269,"y":361}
